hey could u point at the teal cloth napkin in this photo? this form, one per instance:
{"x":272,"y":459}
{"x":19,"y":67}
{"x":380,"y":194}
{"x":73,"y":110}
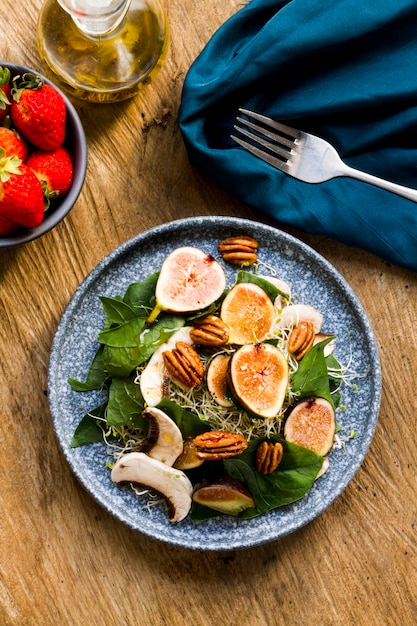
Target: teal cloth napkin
{"x":345,"y":70}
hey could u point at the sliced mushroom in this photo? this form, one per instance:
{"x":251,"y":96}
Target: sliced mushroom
{"x":164,"y":439}
{"x":294,"y":313}
{"x":328,"y":348}
{"x":152,"y":377}
{"x":324,"y":467}
{"x":173,"y":484}
{"x":282,"y":299}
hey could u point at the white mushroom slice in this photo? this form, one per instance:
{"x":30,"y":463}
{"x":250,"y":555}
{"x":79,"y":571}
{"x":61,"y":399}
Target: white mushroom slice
{"x":278,"y":283}
{"x":294,"y":313}
{"x":324,"y":467}
{"x":281,"y":300}
{"x":152,"y":377}
{"x":329,"y":347}
{"x":164,"y":438}
{"x":173,"y":484}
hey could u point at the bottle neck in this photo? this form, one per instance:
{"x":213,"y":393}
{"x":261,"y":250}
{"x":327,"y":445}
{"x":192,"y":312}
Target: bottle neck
{"x":96,"y":17}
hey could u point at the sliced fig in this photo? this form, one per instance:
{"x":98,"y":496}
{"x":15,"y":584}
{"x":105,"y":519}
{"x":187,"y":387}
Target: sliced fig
{"x":216,"y":379}
{"x":258,"y":378}
{"x":189,"y":280}
{"x":312,"y":424}
{"x":248,"y":312}
{"x":225,"y":495}
{"x":188,"y":458}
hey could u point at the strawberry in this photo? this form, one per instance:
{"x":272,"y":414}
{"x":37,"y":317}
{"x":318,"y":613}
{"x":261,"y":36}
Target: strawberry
{"x":7,"y":226}
{"x":5,"y":92}
{"x":54,"y":169}
{"x":13,"y":144}
{"x":38,"y":111}
{"x":21,"y":195}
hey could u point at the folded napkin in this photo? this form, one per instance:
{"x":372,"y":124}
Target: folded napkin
{"x":345,"y":70}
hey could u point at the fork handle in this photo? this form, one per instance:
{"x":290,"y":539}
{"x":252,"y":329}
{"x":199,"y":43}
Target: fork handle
{"x":400,"y":190}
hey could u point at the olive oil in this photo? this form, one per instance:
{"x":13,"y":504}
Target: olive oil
{"x":104,"y":68}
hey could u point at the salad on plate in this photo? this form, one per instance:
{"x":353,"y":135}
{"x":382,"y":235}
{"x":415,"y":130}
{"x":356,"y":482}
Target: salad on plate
{"x":220,"y":397}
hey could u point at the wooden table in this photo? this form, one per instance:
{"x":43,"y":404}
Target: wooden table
{"x":64,"y":560}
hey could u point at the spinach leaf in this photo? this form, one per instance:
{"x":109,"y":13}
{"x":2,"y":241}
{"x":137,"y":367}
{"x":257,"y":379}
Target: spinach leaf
{"x":157,"y":334}
{"x":96,"y":375}
{"x":132,"y":344}
{"x":125,"y":335}
{"x":140,"y":295}
{"x":116,"y":312}
{"x":201,"y":513}
{"x":189,"y":424}
{"x":311,"y":377}
{"x":125,"y":405}
{"x":272,"y":291}
{"x":292,"y":479}
{"x":90,"y":430}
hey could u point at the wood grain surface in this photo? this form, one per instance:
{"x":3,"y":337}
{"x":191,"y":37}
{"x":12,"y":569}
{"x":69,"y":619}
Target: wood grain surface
{"x":63,"y":559}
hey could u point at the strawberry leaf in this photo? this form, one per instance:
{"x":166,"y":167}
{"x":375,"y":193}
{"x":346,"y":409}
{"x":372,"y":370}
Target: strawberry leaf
{"x":4,"y":76}
{"x":8,"y":165}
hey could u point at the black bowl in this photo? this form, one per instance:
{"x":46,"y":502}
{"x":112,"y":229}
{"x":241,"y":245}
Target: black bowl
{"x":76,"y":143}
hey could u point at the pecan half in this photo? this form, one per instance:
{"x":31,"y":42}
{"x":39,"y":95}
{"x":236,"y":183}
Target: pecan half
{"x":301,"y":339}
{"x":268,"y":456}
{"x":215,"y":445}
{"x":184,"y":365}
{"x":209,"y":330}
{"x":239,"y":250}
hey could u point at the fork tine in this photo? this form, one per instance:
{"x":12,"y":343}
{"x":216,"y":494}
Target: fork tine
{"x":267,"y":132}
{"x":261,"y":154}
{"x":269,"y":145}
{"x":283,"y":128}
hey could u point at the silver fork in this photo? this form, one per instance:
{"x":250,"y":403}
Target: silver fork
{"x":302,"y":155}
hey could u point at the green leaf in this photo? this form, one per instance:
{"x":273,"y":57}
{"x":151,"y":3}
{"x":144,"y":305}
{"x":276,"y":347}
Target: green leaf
{"x":159,"y":333}
{"x":272,"y":291}
{"x":136,"y":348}
{"x":116,"y":312}
{"x":189,"y":424}
{"x":311,"y":377}
{"x":89,"y":429}
{"x":292,"y":479}
{"x":125,"y":405}
{"x":96,"y":375}
{"x":139,"y":296}
{"x":126,"y":335}
{"x":201,"y":513}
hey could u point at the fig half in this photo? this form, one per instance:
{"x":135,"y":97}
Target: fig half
{"x":225,"y":495}
{"x":189,"y":280}
{"x":248,"y":312}
{"x":258,"y":378}
{"x":216,"y":379}
{"x":312,"y":424}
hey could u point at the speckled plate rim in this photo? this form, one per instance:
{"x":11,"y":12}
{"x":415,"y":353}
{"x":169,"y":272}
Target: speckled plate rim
{"x":313,"y":280}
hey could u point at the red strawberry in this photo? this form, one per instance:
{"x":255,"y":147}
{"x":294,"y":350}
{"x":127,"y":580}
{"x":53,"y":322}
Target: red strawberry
{"x":54,"y":169}
{"x":38,"y":111}
{"x":13,"y":144}
{"x":7,"y":226}
{"x":5,"y":95}
{"x":21,"y":195}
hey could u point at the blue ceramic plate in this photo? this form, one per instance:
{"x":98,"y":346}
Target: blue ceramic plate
{"x":312,"y":279}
